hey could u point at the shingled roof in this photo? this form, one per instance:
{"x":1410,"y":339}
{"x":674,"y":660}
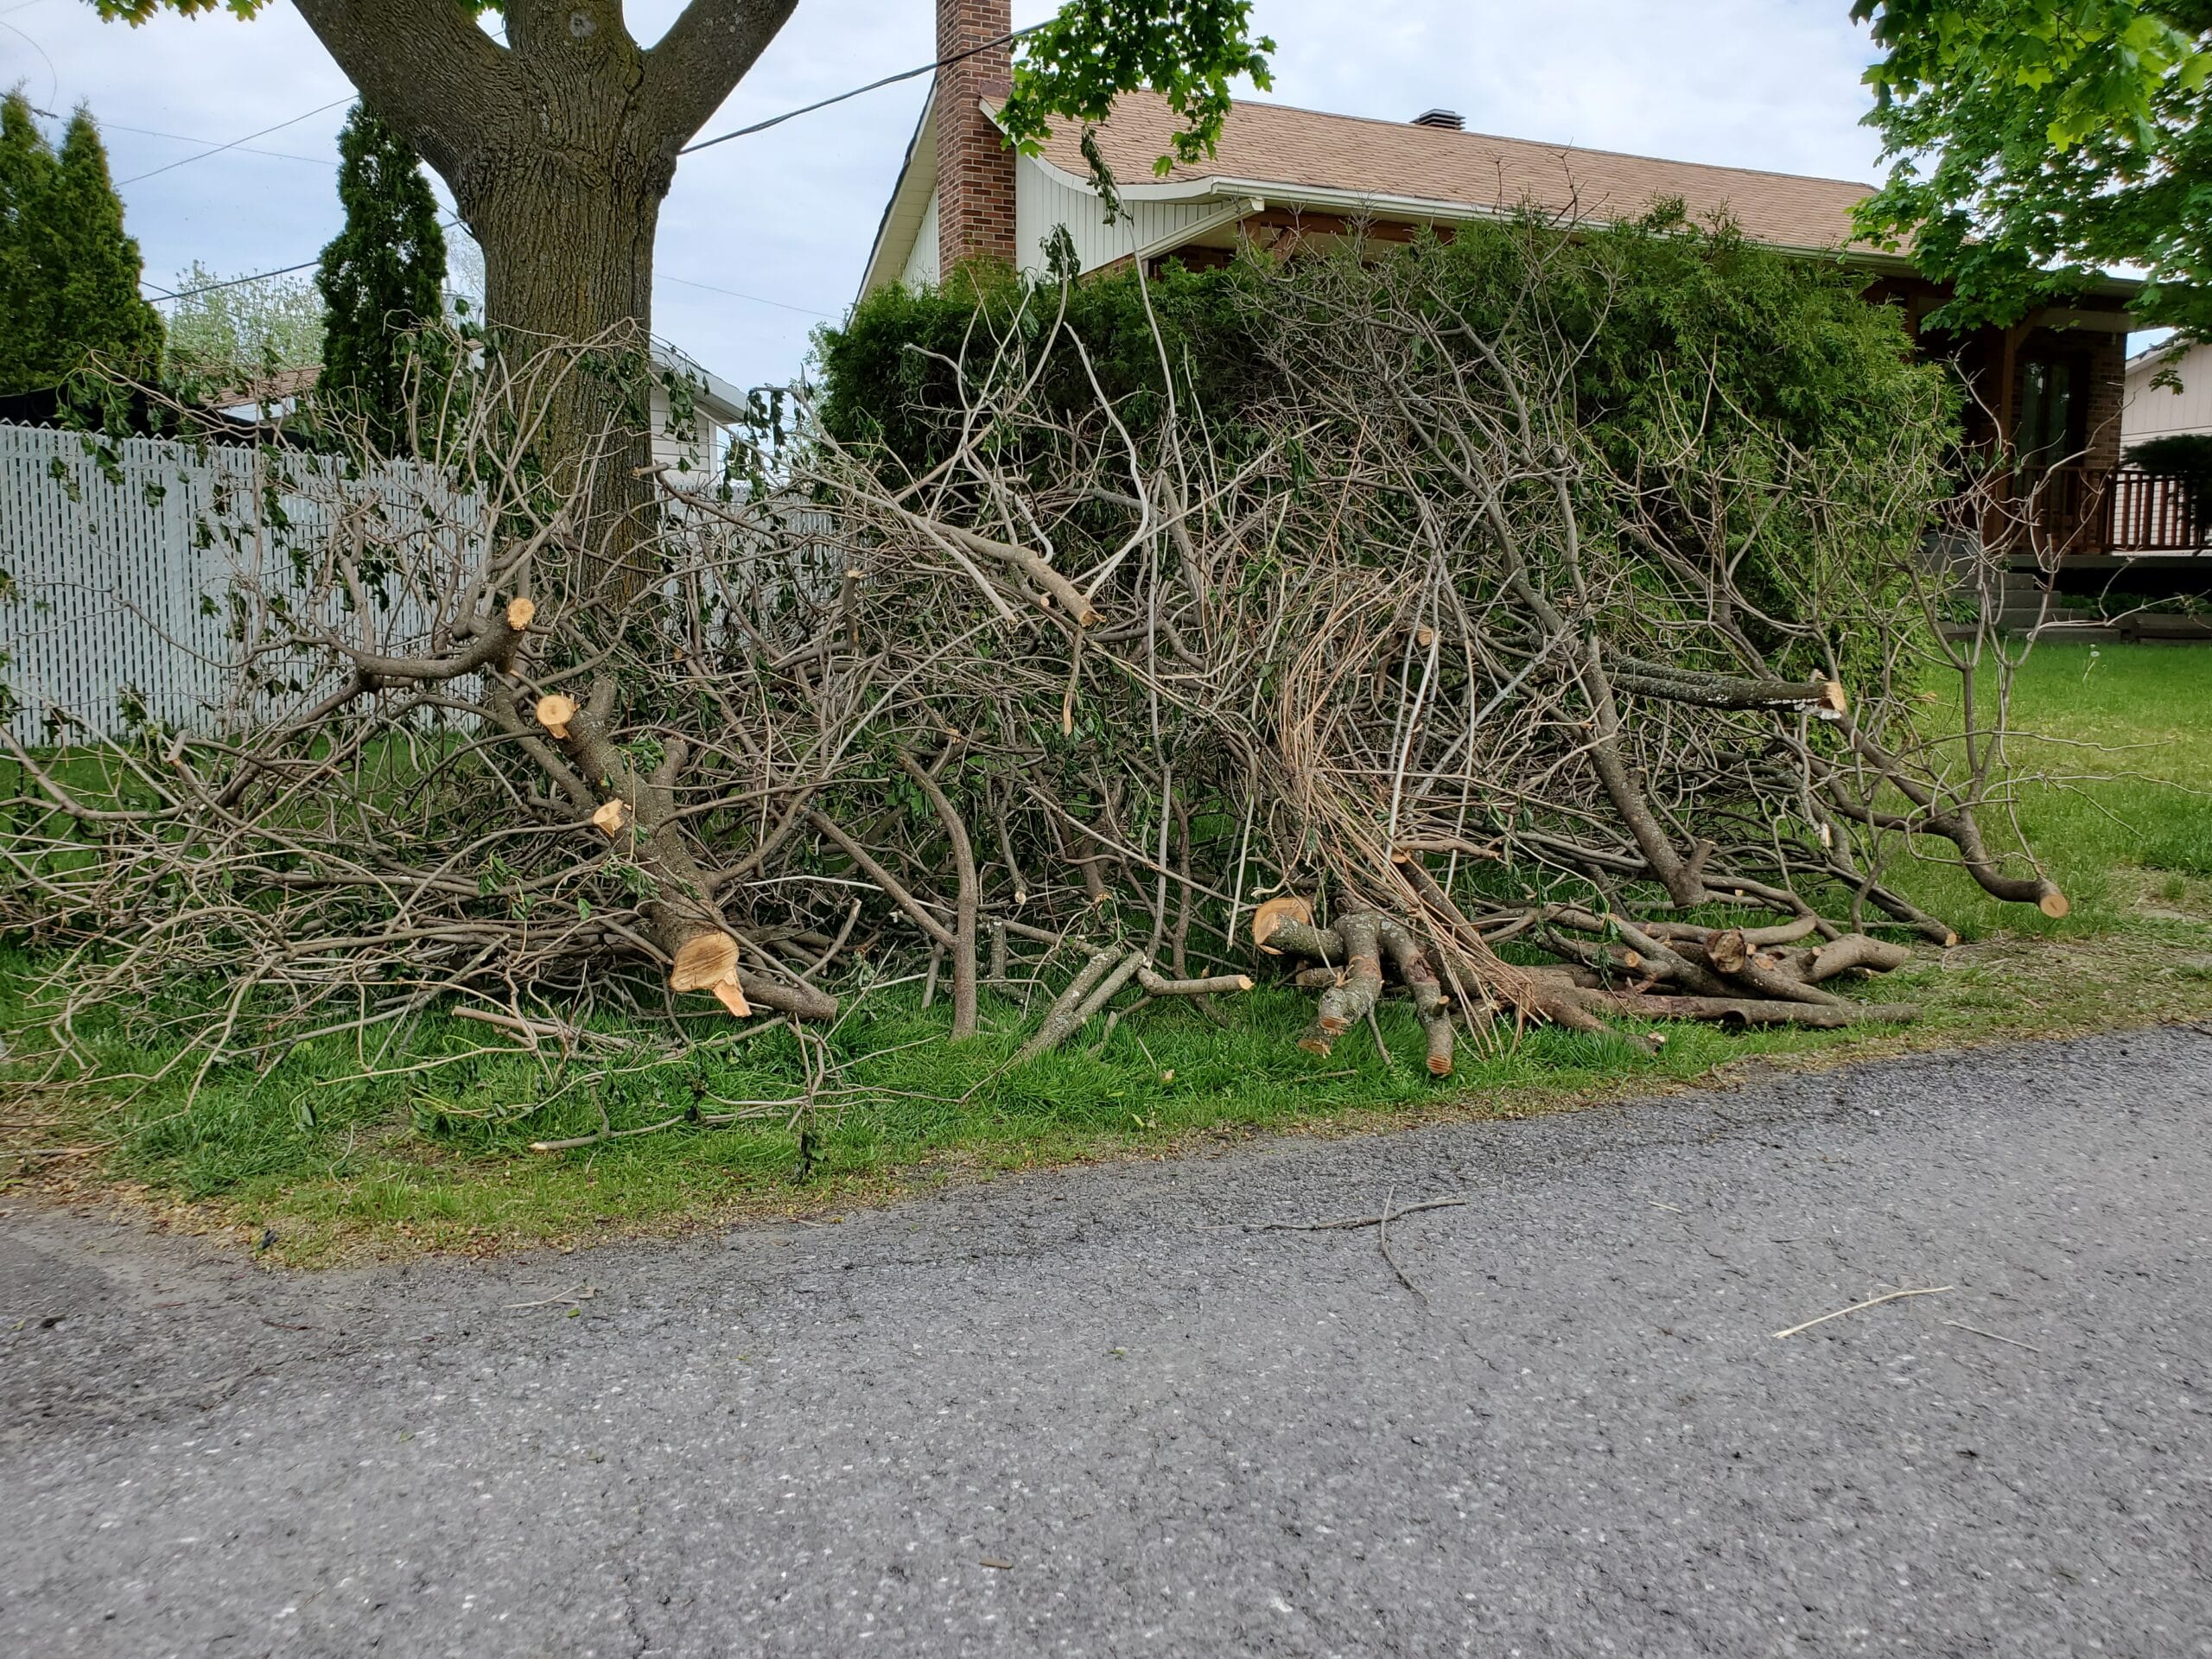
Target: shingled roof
{"x":1275,"y":144}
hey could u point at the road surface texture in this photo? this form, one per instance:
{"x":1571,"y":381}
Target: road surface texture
{"x":1091,"y":1412}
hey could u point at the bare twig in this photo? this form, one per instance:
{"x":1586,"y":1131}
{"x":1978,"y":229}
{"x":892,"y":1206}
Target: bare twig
{"x":1872,"y":1301}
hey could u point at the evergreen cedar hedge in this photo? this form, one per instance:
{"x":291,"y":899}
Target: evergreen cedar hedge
{"x":68,"y":274}
{"x":1794,"y":352}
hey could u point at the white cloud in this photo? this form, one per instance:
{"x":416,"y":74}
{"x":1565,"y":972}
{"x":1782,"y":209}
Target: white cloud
{"x":788,"y":215}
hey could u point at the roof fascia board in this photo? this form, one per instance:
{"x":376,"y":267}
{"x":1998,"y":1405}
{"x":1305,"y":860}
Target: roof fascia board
{"x":884,"y":262}
{"x":1350,"y":204}
{"x":720,"y":400}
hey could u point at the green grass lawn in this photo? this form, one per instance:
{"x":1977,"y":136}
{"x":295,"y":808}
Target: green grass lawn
{"x":435,"y":1154}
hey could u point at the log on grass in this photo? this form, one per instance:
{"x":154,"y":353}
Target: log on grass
{"x":1061,"y":1018}
{"x":1344,"y":1006}
{"x":1155,"y":986}
{"x":1427,"y":993}
{"x":1856,"y":950}
{"x":1745,"y":1011}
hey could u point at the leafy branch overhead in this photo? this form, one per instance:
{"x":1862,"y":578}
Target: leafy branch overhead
{"x":2034,"y":143}
{"x":1188,"y":51}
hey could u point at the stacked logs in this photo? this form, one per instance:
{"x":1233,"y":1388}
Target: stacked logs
{"x":1658,"y":969}
{"x":1648,"y":969}
{"x":1350,"y":959}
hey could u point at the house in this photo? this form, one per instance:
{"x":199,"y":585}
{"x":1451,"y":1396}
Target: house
{"x":2049,"y":389}
{"x":695,"y":450}
{"x":2166,"y":410}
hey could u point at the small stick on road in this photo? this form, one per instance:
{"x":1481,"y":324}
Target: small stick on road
{"x":1382,"y":1236}
{"x":1872,"y":1301}
{"x":1379,"y":1222}
{"x":582,"y":1291}
{"x":1353,"y":1221}
{"x":1992,"y":1336}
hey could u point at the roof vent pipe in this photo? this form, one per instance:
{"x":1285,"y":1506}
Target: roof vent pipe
{"x":1450,"y":120}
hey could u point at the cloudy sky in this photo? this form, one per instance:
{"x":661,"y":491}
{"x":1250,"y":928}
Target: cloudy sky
{"x":764,"y":237}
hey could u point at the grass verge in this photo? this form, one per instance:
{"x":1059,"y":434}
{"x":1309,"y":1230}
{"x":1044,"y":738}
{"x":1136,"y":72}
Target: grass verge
{"x":318,"y":1163}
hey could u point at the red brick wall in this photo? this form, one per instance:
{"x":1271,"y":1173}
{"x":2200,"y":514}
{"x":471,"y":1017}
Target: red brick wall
{"x":2107,"y":355}
{"x":975,"y":169}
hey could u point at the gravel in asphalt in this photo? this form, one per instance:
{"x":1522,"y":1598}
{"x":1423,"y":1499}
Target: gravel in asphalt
{"x":1092,"y":1413}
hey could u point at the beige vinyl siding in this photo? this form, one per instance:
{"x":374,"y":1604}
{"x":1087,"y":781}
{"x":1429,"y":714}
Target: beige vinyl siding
{"x":921,"y":258}
{"x":1041,"y":201}
{"x":2154,"y":412}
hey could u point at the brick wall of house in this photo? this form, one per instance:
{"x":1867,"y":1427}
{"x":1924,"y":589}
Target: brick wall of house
{"x":974,"y":168}
{"x":2107,"y":366}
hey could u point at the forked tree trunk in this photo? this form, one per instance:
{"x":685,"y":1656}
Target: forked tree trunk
{"x":558,"y":146}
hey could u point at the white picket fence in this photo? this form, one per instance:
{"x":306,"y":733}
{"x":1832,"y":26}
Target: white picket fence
{"x":122,"y":558}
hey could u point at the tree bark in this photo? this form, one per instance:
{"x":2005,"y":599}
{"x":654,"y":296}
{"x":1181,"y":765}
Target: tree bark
{"x":558,"y":147}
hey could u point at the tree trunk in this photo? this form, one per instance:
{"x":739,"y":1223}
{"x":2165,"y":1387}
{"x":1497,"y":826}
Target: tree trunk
{"x":558,"y":146}
{"x":568,"y":257}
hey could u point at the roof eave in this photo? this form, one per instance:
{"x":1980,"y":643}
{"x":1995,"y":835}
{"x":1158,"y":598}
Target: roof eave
{"x":886,"y":257}
{"x":1354,"y":203}
{"x":1319,"y":198}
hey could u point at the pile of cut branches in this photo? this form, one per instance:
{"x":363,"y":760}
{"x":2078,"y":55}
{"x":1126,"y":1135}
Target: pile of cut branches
{"x":1378,"y":685}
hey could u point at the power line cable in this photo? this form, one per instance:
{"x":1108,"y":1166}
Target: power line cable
{"x":260,"y":275}
{"x":704,"y":143}
{"x":781,"y":305}
{"x":235,"y":282}
{"x":106,"y":125}
{"x":191,"y":138}
{"x":53,"y":75}
{"x":183,"y":161}
{"x":873,"y":85}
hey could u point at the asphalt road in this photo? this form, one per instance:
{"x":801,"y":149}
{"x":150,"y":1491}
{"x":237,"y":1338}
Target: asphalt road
{"x":1090,"y":1413}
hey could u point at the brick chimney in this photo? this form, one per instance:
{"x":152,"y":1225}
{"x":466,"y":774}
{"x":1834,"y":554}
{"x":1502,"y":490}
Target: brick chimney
{"x":975,"y":169}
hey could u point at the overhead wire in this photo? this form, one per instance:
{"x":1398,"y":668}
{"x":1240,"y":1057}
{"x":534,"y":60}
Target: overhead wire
{"x":781,"y":305}
{"x":263,"y":276}
{"x":185,"y":161}
{"x":190,"y":138}
{"x":704,"y":143}
{"x":233,"y":282}
{"x":873,"y":85}
{"x":53,"y":75}
{"x":239,"y":144}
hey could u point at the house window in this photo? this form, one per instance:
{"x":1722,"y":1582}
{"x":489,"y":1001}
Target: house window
{"x":2049,"y":430}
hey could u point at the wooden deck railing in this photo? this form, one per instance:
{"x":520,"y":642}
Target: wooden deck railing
{"x":2077,"y":512}
{"x":2150,"y":512}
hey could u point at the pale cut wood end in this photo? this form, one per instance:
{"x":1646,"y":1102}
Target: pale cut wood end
{"x":555,"y":712}
{"x":704,"y":961}
{"x":1288,"y":907}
